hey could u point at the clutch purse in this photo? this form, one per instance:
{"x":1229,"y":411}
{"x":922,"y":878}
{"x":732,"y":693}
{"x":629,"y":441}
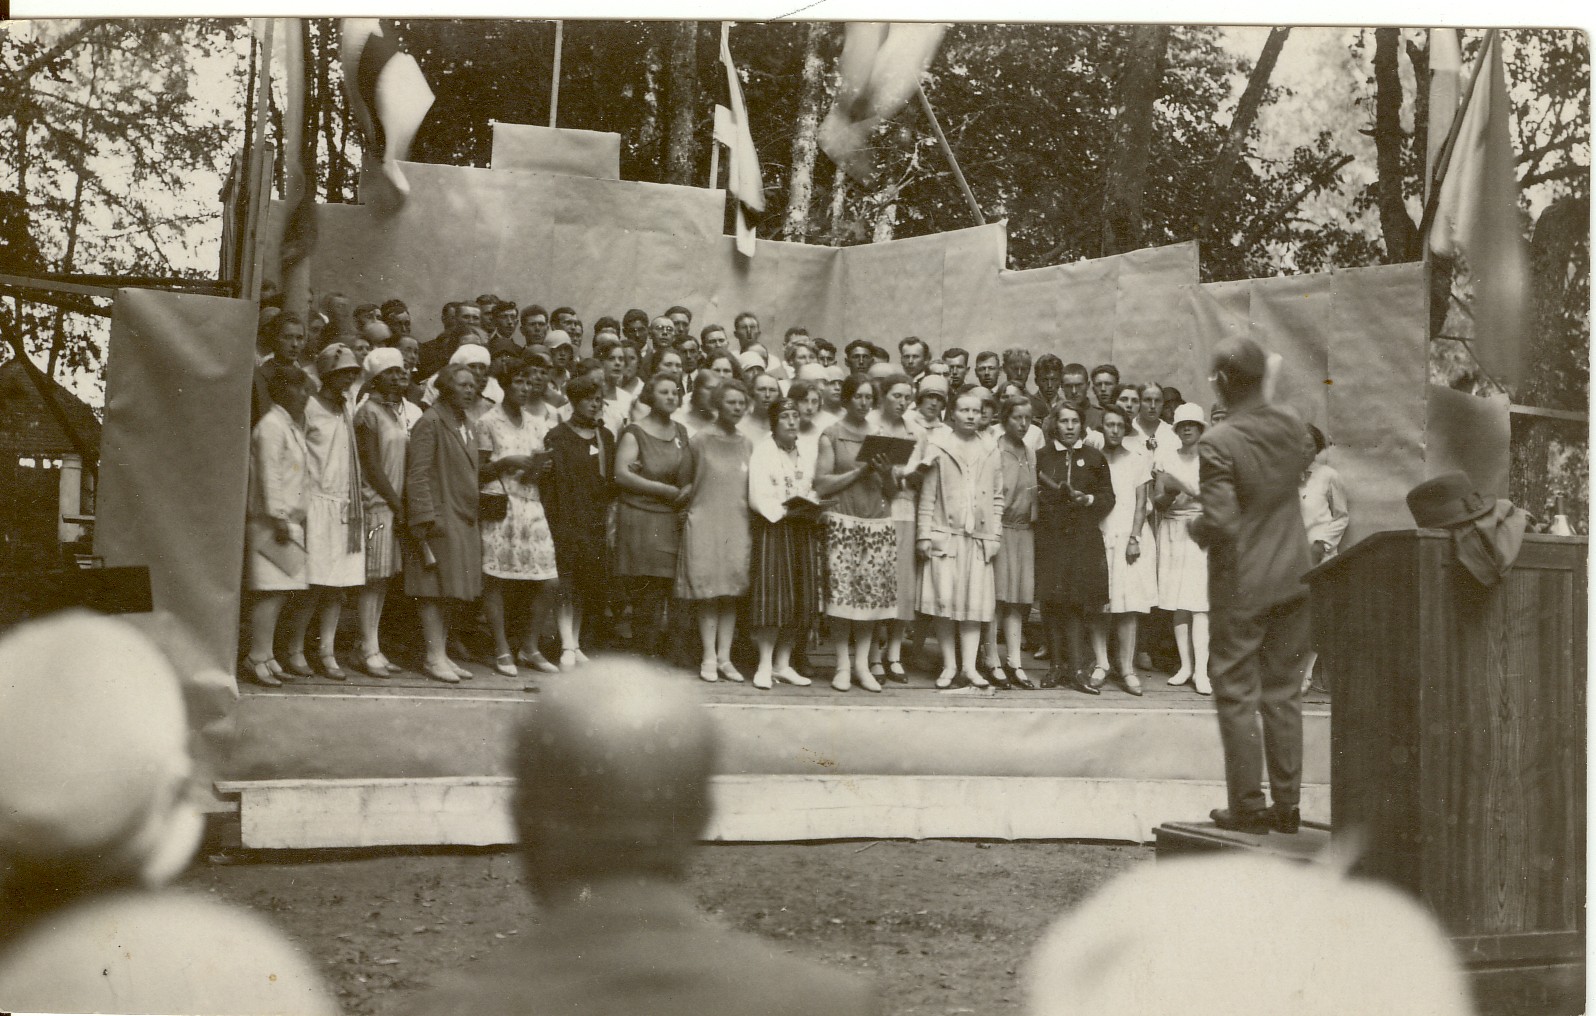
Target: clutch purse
{"x":493,"y":507}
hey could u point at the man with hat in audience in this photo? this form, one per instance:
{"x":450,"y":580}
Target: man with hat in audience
{"x":1251,"y":526}
{"x":612,"y":793}
{"x":97,"y":816}
{"x":1486,"y":532}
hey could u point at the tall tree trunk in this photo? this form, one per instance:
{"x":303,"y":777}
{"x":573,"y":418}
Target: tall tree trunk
{"x":75,"y":217}
{"x":839,"y":204}
{"x":1401,"y":235}
{"x":681,"y":154}
{"x":801,"y":182}
{"x":1217,"y":193}
{"x":327,"y":102}
{"x":648,"y":128}
{"x":886,"y":204}
{"x":1125,"y":188}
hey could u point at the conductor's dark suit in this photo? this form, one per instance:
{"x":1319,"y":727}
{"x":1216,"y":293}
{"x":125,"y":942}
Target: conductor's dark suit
{"x":645,"y":950}
{"x":1251,"y":525}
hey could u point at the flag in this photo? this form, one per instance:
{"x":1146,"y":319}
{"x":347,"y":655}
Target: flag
{"x":1446,"y":68}
{"x":1477,"y":225}
{"x":299,"y":156}
{"x":742,"y":164}
{"x":879,"y":69}
{"x":387,"y":93}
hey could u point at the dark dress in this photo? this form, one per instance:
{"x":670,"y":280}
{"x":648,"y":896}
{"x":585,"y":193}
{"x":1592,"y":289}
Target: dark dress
{"x":648,"y":529}
{"x":1071,"y":565}
{"x":577,"y":493}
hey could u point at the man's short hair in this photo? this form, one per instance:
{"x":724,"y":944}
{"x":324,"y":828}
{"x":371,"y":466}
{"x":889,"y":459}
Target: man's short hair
{"x":604,"y":345}
{"x":880,"y":353}
{"x":703,"y":333}
{"x":795,"y":330}
{"x":393,"y":306}
{"x":504,"y":305}
{"x":952,"y":351}
{"x":1014,"y":354}
{"x":533,"y":310}
{"x":606,"y":323}
{"x":825,"y":345}
{"x":635,"y":315}
{"x":284,"y":379}
{"x":1241,"y":361}
{"x":914,"y":340}
{"x":679,"y":309}
{"x":858,"y":344}
{"x":1106,"y":368}
{"x":984,"y":355}
{"x":744,"y":316}
{"x":451,"y":310}
{"x":583,"y":387}
{"x":1113,"y":410}
{"x":558,"y":311}
{"x":1073,"y":369}
{"x":1047,"y":361}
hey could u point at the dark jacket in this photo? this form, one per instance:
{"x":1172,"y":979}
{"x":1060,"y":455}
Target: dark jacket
{"x":644,"y":949}
{"x":1251,"y":523}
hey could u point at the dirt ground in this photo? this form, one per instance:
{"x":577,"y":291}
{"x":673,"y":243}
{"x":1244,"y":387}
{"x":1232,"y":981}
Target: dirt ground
{"x":943,"y":927}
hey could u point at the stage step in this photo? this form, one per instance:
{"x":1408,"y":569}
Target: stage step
{"x":321,"y":813}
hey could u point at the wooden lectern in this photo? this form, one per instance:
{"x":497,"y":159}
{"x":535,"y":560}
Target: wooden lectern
{"x":1458,"y":748}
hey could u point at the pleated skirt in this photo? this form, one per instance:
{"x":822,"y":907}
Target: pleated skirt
{"x":1015,"y":568}
{"x":384,"y":559}
{"x":1182,"y":567}
{"x":786,"y":564}
{"x":328,"y":559}
{"x":1132,"y":586}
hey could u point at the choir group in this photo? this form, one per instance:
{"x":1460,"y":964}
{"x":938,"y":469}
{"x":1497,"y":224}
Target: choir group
{"x":792,"y":494}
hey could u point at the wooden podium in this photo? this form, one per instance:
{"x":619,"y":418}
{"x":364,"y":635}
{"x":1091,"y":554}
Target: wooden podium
{"x":1458,"y":748}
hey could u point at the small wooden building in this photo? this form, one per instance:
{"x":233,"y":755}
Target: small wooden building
{"x":43,"y":478}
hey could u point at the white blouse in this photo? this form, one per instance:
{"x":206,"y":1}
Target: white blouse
{"x":776,"y":475}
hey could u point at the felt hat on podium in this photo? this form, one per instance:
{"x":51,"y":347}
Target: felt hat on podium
{"x":1447,"y":500}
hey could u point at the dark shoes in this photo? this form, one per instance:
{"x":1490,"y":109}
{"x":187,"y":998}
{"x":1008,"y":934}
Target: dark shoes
{"x":1260,"y":822}
{"x":1256,"y":823}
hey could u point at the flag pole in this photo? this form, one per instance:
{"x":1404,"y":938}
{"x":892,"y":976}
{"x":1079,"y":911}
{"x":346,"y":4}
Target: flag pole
{"x":256,"y":172}
{"x":1443,"y":161}
{"x":554,"y":88}
{"x":714,"y":146}
{"x":947,"y":153}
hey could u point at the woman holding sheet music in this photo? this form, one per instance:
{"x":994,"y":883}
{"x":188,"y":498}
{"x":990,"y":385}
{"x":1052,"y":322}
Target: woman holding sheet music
{"x":861,"y":540}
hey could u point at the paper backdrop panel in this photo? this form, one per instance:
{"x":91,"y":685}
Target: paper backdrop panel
{"x":1151,"y":328}
{"x":1378,"y":362}
{"x":558,"y":150}
{"x":1468,"y":433}
{"x":1085,"y":300}
{"x":174,"y":470}
{"x":785,"y":285}
{"x":894,"y":290}
{"x":1290,"y":315}
{"x":972,"y":272}
{"x":1218,"y":310}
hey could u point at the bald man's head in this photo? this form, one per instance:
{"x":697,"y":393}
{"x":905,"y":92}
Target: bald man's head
{"x":612,"y":776}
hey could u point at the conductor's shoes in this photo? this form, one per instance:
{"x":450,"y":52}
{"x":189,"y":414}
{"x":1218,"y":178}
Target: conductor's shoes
{"x":1258,"y":823}
{"x":1284,"y":820}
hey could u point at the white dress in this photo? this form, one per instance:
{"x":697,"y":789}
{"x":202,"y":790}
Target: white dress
{"x":333,"y":480}
{"x":518,"y":547}
{"x":1132,"y":588}
{"x":1182,"y":565}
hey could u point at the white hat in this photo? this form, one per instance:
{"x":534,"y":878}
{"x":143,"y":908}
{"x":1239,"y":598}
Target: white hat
{"x":882,"y":370}
{"x":1189,"y":412}
{"x":93,"y":746}
{"x":814,"y":372}
{"x":932,"y":384}
{"x":469,"y":353}
{"x":335,"y":357}
{"x":751,"y":358}
{"x":557,"y":338}
{"x":382,"y":358}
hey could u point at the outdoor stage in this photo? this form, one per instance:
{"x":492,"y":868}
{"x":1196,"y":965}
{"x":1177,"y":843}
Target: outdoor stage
{"x":409,"y":761}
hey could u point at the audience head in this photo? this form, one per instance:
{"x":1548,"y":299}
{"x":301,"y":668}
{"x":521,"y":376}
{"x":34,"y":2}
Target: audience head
{"x":662,"y":331}
{"x":785,"y":418}
{"x":1172,"y":402}
{"x":1128,"y":398}
{"x":724,"y":365}
{"x":396,"y":316}
{"x":289,"y":387}
{"x":878,"y":371}
{"x":587,"y":398}
{"x":692,"y":353}
{"x":799,"y":351}
{"x":1049,"y":376}
{"x":612,"y":779}
{"x":1105,"y":378}
{"x":859,"y":356}
{"x":1066,"y":423}
{"x":966,"y":415}
{"x":1015,"y":415}
{"x":561,"y":349}
{"x":630,"y":360}
{"x":285,"y":336}
{"x":1239,"y":367}
{"x":337,"y":367}
{"x":958,"y":361}
{"x":807,"y":395}
{"x":410,"y":348}
{"x":825,"y":352}
{"x":467,"y":320}
{"x":681,"y":319}
{"x":475,"y":359}
{"x":1116,"y":423}
{"x":913,"y":354}
{"x":986,"y":368}
{"x":376,"y":333}
{"x":607,"y":325}
{"x":897,"y":395}
{"x":634,"y":325}
{"x":730,"y":402}
{"x":365,"y":314}
{"x":858,"y":395}
{"x":96,"y":780}
{"x":589,"y":367}
{"x":712,"y":340}
{"x":932,"y":396}
{"x":662,"y":393}
{"x":1152,"y":404}
{"x":766,"y":389}
{"x":534,"y":324}
{"x":1298,"y":938}
{"x":746,"y":328}
{"x":1016,"y":365}
{"x":705,"y":381}
{"x":384,"y":373}
{"x":1189,"y":424}
{"x":486,"y":304}
{"x":1073,"y":383}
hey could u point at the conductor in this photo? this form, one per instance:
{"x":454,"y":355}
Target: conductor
{"x":1252,"y":528}
{"x":612,"y":792}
